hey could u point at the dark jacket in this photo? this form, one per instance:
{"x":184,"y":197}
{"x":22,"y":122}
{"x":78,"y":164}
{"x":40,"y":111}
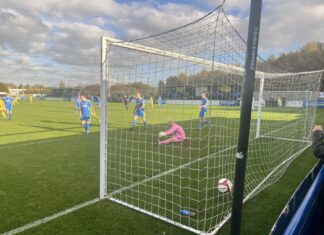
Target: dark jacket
{"x":318,"y":144}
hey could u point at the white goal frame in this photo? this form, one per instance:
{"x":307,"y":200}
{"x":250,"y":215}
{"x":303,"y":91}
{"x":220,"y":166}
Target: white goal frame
{"x":105,"y":44}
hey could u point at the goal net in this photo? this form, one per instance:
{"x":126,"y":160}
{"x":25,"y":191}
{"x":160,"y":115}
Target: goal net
{"x":171,"y":71}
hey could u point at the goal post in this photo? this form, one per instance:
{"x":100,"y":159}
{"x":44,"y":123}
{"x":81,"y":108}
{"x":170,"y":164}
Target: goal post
{"x":245,"y":117}
{"x":103,"y":120}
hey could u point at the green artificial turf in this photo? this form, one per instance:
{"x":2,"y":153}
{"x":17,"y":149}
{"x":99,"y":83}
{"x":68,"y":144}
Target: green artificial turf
{"x":48,"y":165}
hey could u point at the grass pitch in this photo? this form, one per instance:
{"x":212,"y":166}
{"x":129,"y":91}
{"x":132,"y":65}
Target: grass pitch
{"x":47,"y":165}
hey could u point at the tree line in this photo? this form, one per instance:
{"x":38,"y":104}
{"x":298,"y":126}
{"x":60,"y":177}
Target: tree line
{"x":309,"y":57}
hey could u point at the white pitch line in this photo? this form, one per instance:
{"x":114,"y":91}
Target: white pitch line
{"x":52,"y":217}
{"x":80,"y":206}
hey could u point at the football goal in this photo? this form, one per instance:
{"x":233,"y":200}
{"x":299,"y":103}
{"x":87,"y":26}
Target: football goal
{"x":169,"y":77}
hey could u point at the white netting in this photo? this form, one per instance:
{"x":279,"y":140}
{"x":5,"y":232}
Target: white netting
{"x":285,"y":112}
{"x":174,"y":68}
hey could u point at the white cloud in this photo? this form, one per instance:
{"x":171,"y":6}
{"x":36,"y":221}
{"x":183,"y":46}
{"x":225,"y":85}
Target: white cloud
{"x":284,"y":24}
{"x":76,"y":43}
{"x":67,"y":33}
{"x":61,"y":37}
{"x":20,"y":32}
{"x":287,"y":24}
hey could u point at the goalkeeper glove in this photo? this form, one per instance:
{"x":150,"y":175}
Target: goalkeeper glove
{"x":162,"y":134}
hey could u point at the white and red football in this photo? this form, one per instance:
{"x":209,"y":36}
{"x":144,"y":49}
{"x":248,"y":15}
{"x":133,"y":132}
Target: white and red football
{"x":225,"y":185}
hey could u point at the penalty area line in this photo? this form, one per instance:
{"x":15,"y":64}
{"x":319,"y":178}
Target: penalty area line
{"x":50,"y":218}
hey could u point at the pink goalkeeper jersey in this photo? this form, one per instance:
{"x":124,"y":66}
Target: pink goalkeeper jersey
{"x":177,"y":131}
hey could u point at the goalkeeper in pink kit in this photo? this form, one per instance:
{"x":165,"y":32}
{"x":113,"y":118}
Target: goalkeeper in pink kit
{"x":175,"y":130}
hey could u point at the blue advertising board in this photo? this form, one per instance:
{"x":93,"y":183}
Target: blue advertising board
{"x":320,"y":104}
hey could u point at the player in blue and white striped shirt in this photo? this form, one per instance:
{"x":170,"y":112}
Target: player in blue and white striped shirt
{"x":203,"y":110}
{"x":139,"y":110}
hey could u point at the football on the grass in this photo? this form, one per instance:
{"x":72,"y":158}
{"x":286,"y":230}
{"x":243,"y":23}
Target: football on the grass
{"x":225,"y":185}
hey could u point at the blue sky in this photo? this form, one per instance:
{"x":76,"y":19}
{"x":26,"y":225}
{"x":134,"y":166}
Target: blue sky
{"x":48,"y":40}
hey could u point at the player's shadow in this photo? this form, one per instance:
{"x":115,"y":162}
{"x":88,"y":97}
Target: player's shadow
{"x":63,"y":111}
{"x":49,"y":121}
{"x":68,"y":123}
{"x":39,"y":141}
{"x":45,"y":129}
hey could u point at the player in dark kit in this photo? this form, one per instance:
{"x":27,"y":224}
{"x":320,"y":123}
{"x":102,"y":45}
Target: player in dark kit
{"x":139,"y":110}
{"x":125,"y":100}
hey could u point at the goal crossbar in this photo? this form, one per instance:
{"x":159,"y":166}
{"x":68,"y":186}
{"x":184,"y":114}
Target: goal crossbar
{"x":174,"y":55}
{"x":232,"y":69}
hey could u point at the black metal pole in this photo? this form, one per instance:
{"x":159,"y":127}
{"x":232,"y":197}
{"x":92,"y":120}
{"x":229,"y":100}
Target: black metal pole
{"x":243,"y":139}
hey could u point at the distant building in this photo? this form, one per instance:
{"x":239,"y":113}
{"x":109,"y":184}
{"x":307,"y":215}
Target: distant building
{"x":65,"y":93}
{"x":16,"y":92}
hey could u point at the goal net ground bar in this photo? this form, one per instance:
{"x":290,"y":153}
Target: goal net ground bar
{"x":157,"y":216}
{"x":287,"y":139}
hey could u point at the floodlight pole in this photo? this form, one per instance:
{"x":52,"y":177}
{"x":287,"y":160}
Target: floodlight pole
{"x":103,"y":119}
{"x":243,"y":139}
